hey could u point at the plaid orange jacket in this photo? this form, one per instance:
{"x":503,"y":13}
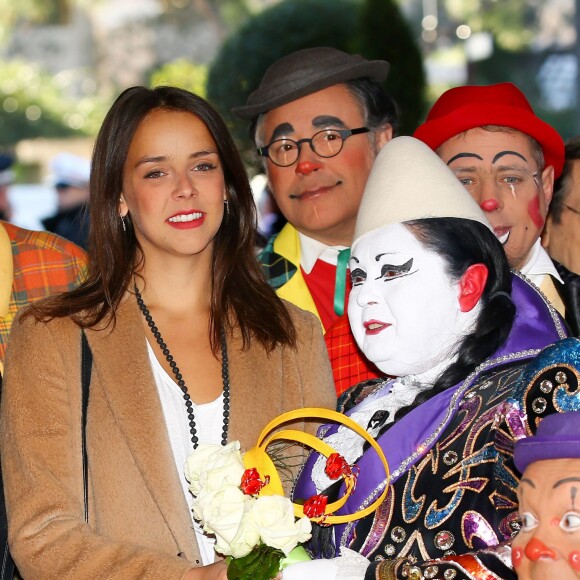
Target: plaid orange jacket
{"x":42,"y":264}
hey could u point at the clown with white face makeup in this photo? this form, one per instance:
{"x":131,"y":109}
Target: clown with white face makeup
{"x":435,"y":306}
{"x":395,"y":281}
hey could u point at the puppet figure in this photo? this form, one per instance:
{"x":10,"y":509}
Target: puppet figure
{"x":548,"y":544}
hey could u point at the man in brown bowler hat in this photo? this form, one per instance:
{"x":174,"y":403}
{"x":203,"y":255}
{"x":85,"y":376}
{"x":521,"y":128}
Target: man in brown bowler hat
{"x":319,"y":119}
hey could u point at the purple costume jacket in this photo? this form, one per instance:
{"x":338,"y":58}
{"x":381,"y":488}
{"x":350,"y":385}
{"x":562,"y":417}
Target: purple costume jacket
{"x":453,"y":483}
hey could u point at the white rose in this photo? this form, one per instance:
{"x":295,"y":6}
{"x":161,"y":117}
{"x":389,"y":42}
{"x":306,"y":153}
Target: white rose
{"x":274,"y":519}
{"x":225,"y":513}
{"x":211,"y":466}
{"x":247,"y":538}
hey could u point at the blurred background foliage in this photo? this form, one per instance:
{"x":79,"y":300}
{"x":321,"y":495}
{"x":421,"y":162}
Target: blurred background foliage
{"x":35,"y":104}
{"x":220,"y":49}
{"x":374,"y":28}
{"x":32,"y":12}
{"x":183,"y":74}
{"x":513,"y":23}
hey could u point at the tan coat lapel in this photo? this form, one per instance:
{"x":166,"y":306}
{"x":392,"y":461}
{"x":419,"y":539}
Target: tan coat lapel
{"x":122,"y":364}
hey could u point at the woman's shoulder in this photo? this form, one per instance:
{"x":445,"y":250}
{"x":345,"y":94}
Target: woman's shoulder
{"x":28,"y":321}
{"x":33,"y":342}
{"x":34,"y":334}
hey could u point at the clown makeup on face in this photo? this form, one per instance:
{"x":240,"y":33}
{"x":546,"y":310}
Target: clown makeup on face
{"x":500,"y":172}
{"x":318,"y":195}
{"x":404,"y":309}
{"x":548,"y":544}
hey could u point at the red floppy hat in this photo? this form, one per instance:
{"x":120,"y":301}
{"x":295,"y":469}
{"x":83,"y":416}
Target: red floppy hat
{"x":463,"y":108}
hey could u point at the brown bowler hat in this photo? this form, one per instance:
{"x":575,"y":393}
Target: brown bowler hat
{"x":304,"y":72}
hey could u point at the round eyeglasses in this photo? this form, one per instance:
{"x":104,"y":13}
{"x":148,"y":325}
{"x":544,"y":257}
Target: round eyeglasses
{"x":326,"y":143}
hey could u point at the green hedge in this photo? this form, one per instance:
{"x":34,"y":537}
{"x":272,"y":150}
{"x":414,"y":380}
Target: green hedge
{"x":374,"y":28}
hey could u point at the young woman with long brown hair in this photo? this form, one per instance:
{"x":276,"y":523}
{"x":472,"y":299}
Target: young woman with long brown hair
{"x":189,"y":345}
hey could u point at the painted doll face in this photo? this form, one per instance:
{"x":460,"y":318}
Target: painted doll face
{"x":501,"y":174}
{"x":548,"y":544}
{"x":403,"y":308}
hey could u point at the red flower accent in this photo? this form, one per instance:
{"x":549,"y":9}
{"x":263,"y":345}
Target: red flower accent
{"x":251,"y":482}
{"x":315,"y":506}
{"x":336,"y":465}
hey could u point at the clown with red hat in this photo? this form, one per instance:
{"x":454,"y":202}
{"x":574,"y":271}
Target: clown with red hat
{"x":507,"y":158}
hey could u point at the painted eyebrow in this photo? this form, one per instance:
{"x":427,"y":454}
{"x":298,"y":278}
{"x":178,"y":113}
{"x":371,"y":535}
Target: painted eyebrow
{"x":355,"y":259}
{"x":326,"y":120}
{"x":318,"y":122}
{"x":461,"y":155}
{"x":528,"y":481}
{"x":281,"y":129}
{"x":161,"y":158}
{"x":503,"y":153}
{"x":566,"y":480}
{"x":379,"y":256}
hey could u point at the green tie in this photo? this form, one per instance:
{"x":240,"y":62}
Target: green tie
{"x":340,"y":281}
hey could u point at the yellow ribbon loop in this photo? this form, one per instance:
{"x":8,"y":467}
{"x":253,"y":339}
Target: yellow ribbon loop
{"x":258,"y":458}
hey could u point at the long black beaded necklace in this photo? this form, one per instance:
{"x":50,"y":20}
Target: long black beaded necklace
{"x":179,"y":378}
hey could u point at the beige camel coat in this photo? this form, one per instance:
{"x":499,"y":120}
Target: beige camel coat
{"x":139,"y":524}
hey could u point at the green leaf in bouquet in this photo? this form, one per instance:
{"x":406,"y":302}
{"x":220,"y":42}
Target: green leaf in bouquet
{"x":271,"y":563}
{"x":262,"y":563}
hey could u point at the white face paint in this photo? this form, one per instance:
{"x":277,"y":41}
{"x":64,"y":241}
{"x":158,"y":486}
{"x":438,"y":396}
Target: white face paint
{"x":403,"y":307}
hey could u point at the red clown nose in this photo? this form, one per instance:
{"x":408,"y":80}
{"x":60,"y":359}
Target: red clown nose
{"x":489,"y":205}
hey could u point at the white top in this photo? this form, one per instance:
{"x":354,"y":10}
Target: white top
{"x":209,"y":424}
{"x":539,"y":265}
{"x":312,"y":250}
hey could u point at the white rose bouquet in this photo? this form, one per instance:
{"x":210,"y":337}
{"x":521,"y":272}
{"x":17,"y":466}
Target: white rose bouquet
{"x":240,"y":500}
{"x":256,"y":532}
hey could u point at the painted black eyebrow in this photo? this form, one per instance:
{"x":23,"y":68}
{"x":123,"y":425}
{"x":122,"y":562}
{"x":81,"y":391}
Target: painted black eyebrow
{"x":281,"y":129}
{"x":460,"y":155}
{"x":355,"y":259}
{"x":404,"y":267}
{"x":566,"y":480}
{"x":318,"y":122}
{"x":502,"y":153}
{"x":528,"y":481}
{"x":379,"y":256}
{"x":326,"y":120}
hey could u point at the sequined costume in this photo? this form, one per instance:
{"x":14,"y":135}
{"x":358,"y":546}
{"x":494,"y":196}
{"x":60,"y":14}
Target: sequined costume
{"x":453,"y":482}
